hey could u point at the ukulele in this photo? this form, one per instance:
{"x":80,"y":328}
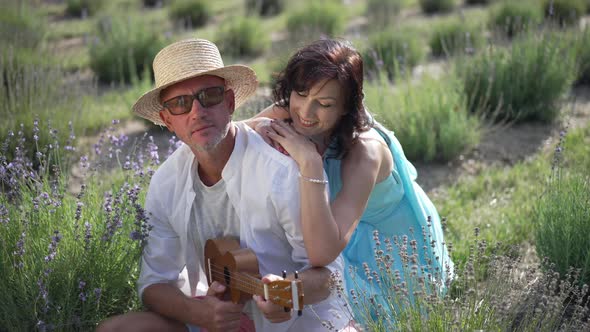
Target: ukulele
{"x":237,"y":269}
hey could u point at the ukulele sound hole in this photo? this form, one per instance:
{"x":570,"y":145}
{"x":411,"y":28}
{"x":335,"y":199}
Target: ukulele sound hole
{"x":226,"y":275}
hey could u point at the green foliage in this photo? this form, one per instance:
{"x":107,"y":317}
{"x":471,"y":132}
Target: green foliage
{"x":525,"y":83}
{"x":455,"y":37}
{"x":265,"y":7}
{"x":30,"y":88}
{"x":152,"y":3}
{"x":381,"y":13}
{"x":490,"y":291}
{"x":581,"y":49}
{"x":79,"y":8}
{"x":315,"y":20}
{"x":124,"y":50}
{"x":67,"y":261}
{"x":392,"y":52}
{"x":565,"y":12}
{"x":437,"y":6}
{"x":242,"y":36}
{"x":430,"y":119}
{"x":192,"y":13}
{"x":21,"y":27}
{"x":513,"y":17}
{"x":479,"y":2}
{"x":562,"y":216}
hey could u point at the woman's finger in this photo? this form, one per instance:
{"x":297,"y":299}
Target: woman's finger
{"x":282,"y":128}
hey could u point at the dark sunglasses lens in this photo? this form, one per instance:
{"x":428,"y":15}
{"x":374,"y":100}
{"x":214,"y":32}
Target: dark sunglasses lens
{"x":211,"y":96}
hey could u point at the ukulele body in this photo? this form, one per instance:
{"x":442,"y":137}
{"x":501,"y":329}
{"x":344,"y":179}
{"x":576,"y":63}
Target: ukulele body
{"x":227,"y":263}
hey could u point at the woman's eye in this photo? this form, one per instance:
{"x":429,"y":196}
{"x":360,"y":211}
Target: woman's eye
{"x":325,"y":105}
{"x":301,"y":93}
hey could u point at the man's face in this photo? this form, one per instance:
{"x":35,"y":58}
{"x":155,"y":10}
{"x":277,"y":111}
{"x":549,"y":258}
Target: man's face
{"x":203,"y":128}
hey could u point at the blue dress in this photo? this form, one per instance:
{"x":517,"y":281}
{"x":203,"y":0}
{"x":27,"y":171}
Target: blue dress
{"x":397,"y":211}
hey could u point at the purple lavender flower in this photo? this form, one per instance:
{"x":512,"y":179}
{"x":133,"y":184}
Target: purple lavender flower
{"x":97,"y":293}
{"x":153,"y":151}
{"x":69,"y":143}
{"x":4,"y":219}
{"x":87,"y":234}
{"x":79,"y":206}
{"x":20,"y":251}
{"x":135,"y":236}
{"x":53,"y":246}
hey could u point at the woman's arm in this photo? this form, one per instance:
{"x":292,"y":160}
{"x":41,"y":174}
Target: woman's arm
{"x":327,"y":227}
{"x":273,"y":111}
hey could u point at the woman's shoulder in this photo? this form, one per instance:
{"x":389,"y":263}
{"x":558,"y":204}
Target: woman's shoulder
{"x":370,"y":151}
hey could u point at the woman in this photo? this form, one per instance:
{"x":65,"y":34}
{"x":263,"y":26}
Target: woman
{"x":372,"y":192}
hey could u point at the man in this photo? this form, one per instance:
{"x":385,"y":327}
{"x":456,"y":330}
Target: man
{"x":223,"y":181}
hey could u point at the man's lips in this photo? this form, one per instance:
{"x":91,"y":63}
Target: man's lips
{"x":201,"y":129}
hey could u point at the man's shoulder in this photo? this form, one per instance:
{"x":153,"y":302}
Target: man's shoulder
{"x":263,"y":163}
{"x":258,"y":148}
{"x":173,"y":165}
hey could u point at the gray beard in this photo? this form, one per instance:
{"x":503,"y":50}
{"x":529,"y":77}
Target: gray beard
{"x":213,"y":144}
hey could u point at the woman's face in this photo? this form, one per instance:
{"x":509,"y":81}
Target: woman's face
{"x":315,"y":113}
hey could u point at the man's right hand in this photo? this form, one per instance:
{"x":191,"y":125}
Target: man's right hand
{"x":221,"y":315}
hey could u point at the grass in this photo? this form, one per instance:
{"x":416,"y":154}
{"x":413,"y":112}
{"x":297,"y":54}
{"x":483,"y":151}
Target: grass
{"x":500,"y":200}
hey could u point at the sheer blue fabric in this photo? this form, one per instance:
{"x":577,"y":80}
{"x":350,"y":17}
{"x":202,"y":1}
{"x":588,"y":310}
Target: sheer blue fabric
{"x":397,"y":207}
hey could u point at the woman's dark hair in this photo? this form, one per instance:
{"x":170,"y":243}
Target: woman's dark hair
{"x":329,"y":59}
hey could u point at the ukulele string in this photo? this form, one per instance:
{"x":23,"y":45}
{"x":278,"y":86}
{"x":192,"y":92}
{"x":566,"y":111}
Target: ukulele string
{"x":239,"y":279}
{"x":243,"y":274}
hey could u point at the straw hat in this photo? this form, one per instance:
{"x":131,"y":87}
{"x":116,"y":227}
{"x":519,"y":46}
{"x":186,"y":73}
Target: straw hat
{"x":187,"y":59}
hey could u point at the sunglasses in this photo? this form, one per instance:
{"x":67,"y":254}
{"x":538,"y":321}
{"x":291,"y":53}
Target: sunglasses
{"x":207,"y":97}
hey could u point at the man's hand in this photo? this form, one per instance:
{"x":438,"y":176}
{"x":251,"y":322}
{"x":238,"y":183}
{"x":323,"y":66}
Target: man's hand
{"x":274,"y":313}
{"x":224,"y":315}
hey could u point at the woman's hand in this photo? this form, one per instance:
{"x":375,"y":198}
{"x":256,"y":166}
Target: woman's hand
{"x":301,"y":148}
{"x":262,"y":126}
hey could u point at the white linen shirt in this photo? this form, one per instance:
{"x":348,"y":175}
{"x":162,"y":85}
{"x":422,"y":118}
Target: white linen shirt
{"x":262,"y":184}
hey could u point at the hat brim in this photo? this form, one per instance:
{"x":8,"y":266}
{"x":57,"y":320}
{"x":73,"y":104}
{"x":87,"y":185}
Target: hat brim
{"x":241,"y":79}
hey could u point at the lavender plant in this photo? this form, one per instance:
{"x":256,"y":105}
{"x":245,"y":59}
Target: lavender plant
{"x":69,"y":257}
{"x":490,"y":291}
{"x":561,"y":215}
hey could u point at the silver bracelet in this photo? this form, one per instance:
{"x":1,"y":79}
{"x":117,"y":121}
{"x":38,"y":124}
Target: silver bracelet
{"x":312,"y":180}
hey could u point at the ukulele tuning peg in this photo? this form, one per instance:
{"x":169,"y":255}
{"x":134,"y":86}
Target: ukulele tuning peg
{"x":296,"y":273}
{"x":284,"y":274}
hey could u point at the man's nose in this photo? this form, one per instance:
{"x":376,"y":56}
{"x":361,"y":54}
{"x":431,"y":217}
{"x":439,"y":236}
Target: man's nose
{"x":196,"y":108}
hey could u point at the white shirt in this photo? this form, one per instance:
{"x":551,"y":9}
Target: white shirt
{"x":263,"y":187}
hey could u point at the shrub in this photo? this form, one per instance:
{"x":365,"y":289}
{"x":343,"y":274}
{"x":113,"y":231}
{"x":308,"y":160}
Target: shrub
{"x":192,"y":13}
{"x":83,"y":8}
{"x":523,"y":84}
{"x":490,"y":291}
{"x":315,"y":20}
{"x":124,"y":50}
{"x":581,"y":49}
{"x":69,"y":260}
{"x":30,"y":88}
{"x":565,"y":12}
{"x":478,"y":2}
{"x":437,"y":6}
{"x":455,"y":37}
{"x":430,"y":119}
{"x":265,"y":7}
{"x":153,"y":3}
{"x":242,"y":37}
{"x":392,"y":52}
{"x":21,"y":26}
{"x":380,"y":13}
{"x":561,"y":215}
{"x":513,"y":17}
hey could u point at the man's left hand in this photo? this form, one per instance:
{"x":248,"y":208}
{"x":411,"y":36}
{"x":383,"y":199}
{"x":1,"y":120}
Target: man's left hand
{"x":273,"y":312}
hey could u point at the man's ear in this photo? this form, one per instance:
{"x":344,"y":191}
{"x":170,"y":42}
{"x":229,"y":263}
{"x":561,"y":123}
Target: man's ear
{"x":231,"y":100}
{"x":166,"y":121}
